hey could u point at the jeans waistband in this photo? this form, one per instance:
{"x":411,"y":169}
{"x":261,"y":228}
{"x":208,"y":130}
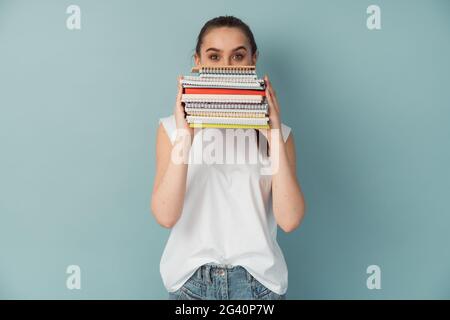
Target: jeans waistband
{"x":204,"y":271}
{"x":221,"y":265}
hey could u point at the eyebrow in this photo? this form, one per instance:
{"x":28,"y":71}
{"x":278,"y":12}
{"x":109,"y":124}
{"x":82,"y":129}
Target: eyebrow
{"x":235,"y":49}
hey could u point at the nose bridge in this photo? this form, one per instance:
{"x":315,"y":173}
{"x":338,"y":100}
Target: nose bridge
{"x":226,"y":59}
{"x":226,"y":62}
{"x":229,"y":61}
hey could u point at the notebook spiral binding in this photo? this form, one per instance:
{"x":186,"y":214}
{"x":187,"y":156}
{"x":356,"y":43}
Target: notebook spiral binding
{"x":239,"y":70}
{"x":227,"y":106}
{"x":227,"y":113}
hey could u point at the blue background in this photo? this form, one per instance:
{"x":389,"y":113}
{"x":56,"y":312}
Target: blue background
{"x":369,"y":111}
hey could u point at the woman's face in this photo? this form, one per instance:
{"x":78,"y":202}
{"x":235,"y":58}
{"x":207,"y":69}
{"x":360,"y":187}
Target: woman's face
{"x":225,"y":46}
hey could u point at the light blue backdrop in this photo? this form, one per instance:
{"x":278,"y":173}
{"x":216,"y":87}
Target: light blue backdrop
{"x":369,"y":112}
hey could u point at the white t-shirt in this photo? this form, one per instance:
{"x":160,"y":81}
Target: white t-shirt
{"x":227,"y":215}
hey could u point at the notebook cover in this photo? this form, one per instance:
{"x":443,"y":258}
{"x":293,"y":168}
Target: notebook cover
{"x":222,"y":98}
{"x":228,"y":120}
{"x":226,"y":114}
{"x":231,"y":126}
{"x":223,"y":91}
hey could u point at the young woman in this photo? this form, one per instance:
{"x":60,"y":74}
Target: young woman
{"x":224,"y":217}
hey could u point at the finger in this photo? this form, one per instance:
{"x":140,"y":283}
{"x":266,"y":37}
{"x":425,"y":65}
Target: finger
{"x":180,"y":90}
{"x":271,"y":89}
{"x":266,"y":79}
{"x":274,"y":110}
{"x":180,"y":86}
{"x":273,"y":97}
{"x":272,"y":92}
{"x":269,"y":98}
{"x":275,"y":103}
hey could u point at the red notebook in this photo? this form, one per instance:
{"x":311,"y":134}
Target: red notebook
{"x":223,"y":91}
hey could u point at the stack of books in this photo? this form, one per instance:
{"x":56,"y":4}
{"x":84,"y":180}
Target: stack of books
{"x":225,"y":97}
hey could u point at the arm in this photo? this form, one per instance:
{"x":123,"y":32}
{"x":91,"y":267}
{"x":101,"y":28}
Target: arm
{"x":288,"y":200}
{"x":170,"y":183}
{"x":171,"y":171}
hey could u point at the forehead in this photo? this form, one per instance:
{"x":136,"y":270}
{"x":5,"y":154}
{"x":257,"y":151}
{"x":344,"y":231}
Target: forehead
{"x":224,"y":38}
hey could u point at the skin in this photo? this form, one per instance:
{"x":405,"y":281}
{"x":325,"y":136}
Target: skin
{"x":222,"y":47}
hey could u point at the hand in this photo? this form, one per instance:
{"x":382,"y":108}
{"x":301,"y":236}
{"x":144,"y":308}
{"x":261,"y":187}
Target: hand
{"x":274,"y":110}
{"x":180,"y":115}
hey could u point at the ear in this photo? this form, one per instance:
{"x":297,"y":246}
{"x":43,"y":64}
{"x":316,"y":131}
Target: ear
{"x":196,"y":59}
{"x":255,"y":57}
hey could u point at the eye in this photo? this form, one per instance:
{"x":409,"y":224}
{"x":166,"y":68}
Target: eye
{"x":238,"y":57}
{"x":214,"y":57}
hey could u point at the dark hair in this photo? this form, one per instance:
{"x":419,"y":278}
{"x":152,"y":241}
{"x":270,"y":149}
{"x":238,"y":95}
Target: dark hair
{"x":226,"y":21}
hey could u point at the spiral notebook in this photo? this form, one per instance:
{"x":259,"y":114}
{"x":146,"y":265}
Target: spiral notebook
{"x":225,"y":97}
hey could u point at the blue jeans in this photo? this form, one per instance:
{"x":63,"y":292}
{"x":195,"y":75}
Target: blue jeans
{"x":213,"y":281}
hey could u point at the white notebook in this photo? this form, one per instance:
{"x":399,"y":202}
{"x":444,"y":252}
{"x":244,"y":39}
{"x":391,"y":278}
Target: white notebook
{"x":227,"y":114}
{"x":217,"y":84}
{"x":191,"y":110}
{"x":227,"y":120}
{"x":219,"y":77}
{"x":225,"y":70}
{"x":238,"y":106}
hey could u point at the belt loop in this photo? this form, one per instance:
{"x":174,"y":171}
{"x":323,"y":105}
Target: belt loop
{"x":199,"y":273}
{"x":207,"y":274}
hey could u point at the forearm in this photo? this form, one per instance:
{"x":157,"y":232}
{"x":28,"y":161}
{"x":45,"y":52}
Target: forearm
{"x":288,"y":200}
{"x":168,"y":197}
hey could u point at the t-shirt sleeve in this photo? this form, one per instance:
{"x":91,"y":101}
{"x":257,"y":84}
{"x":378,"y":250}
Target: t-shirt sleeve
{"x":285,"y":130}
{"x":170,"y":127}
